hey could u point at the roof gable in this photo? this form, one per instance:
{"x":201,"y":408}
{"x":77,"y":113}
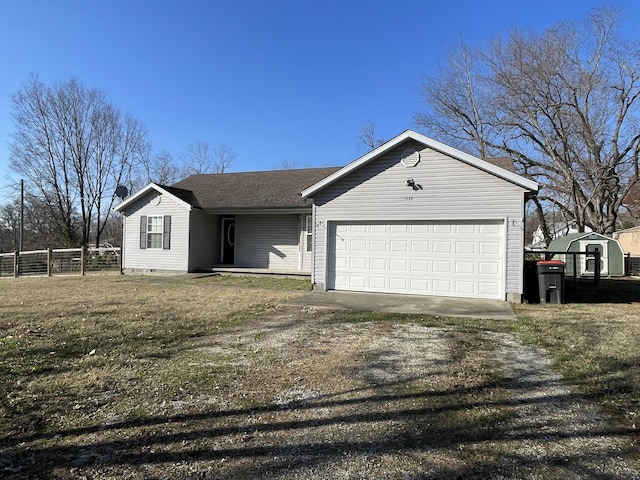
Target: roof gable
{"x":486,"y":166}
{"x":182,"y":197}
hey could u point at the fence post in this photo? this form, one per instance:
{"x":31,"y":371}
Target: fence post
{"x":16,"y":263}
{"x":596,"y":274}
{"x":627,"y":264}
{"x":82,"y":260}
{"x":49,"y":261}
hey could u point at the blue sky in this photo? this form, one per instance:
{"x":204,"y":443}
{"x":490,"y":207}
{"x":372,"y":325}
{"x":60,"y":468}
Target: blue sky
{"x":279,"y":81}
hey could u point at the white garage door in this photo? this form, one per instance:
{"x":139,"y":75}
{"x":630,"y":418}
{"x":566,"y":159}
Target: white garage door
{"x":461,"y":259}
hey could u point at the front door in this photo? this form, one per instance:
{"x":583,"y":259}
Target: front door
{"x":590,"y":261}
{"x":228,"y":241}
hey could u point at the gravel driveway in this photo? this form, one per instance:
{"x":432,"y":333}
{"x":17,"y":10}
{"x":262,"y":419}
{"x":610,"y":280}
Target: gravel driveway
{"x":378,"y":400}
{"x":308,"y":395}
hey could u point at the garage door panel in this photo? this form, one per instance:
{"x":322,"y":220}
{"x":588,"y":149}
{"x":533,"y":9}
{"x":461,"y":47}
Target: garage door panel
{"x":419,"y":246}
{"x":378,"y":246}
{"x":465,"y":248}
{"x":357,"y":263}
{"x":398,"y":284}
{"x":378,"y":264}
{"x":489,"y":248}
{"x":442,"y":229}
{"x":466,"y":288}
{"x":399,"y":228}
{"x":441,"y":266}
{"x":398,"y":265}
{"x":442,"y":287}
{"x":399,"y":246}
{"x":440,"y":247}
{"x":490,"y":229}
{"x":420,"y":266}
{"x":465,"y":268}
{"x":488,"y":268}
{"x":466,"y":229}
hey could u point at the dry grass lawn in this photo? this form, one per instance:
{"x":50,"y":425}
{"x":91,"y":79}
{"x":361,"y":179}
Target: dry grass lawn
{"x":138,"y":377}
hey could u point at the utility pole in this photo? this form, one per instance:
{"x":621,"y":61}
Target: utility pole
{"x":21,"y":243}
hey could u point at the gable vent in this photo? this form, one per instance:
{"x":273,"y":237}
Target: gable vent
{"x":410,"y":158}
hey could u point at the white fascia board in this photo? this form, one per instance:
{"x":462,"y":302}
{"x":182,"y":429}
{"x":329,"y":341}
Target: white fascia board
{"x":140,"y":193}
{"x":429,"y":142}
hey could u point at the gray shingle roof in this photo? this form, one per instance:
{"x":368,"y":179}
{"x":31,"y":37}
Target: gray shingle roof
{"x":502,"y":162}
{"x":264,"y":189}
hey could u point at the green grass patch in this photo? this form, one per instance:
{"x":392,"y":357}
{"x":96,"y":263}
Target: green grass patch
{"x":269,"y":282}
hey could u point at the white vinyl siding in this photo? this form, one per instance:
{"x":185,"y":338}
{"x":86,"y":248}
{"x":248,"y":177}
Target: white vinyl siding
{"x":447,"y":189}
{"x":173,"y":259}
{"x":268,"y":241}
{"x":204,"y":241}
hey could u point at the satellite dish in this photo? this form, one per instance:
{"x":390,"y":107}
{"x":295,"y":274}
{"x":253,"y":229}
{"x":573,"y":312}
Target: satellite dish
{"x":122,"y":192}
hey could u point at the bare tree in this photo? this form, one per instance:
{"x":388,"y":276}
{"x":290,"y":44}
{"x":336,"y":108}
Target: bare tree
{"x":199,"y":158}
{"x":39,"y":232}
{"x":74,"y":147}
{"x":563,"y":104}
{"x":367,"y":136}
{"x":160,"y":168}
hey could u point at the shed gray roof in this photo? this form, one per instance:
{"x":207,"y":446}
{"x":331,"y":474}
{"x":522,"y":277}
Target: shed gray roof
{"x":561,"y":244}
{"x":263,"y":189}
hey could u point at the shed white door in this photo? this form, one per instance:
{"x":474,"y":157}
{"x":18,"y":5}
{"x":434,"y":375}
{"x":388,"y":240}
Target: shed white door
{"x":457,"y":259}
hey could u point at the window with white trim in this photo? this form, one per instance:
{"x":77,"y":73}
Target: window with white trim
{"x":309,"y":232}
{"x":154,"y":231}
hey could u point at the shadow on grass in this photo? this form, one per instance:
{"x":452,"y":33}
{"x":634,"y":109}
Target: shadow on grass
{"x":584,"y":290}
{"x":248,"y":442}
{"x":612,"y":290}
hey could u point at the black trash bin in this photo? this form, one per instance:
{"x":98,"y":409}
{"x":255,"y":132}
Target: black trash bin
{"x":551,"y":281}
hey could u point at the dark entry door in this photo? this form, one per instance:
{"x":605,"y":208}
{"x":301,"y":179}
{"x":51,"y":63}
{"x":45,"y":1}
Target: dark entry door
{"x":228,"y":241}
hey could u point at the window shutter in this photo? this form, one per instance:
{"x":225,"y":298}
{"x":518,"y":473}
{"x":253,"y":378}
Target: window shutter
{"x":166,"y":234}
{"x":143,"y":231}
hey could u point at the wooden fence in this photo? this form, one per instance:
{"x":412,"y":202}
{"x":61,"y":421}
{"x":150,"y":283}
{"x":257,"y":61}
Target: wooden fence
{"x":60,"y":261}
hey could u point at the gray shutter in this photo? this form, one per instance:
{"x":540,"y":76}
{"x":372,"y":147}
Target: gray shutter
{"x":166,"y":234}
{"x":143,"y":231}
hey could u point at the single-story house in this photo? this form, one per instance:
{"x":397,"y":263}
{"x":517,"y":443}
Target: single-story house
{"x":629,"y":239}
{"x":611,"y":253}
{"x":413,"y":216}
{"x":245,"y":220}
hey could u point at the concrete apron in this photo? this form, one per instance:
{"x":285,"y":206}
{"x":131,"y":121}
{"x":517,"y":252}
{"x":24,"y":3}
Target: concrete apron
{"x":409,"y":304}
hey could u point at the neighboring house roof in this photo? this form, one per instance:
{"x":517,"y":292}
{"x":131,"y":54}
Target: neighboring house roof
{"x":557,"y":230}
{"x":485,"y":165}
{"x":503,"y":162}
{"x":628,"y":230}
{"x":263,"y":189}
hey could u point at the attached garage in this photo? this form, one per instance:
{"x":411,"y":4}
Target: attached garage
{"x":415,"y":216}
{"x":460,"y":259}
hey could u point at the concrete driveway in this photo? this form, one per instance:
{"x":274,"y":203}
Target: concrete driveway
{"x":416,"y":304}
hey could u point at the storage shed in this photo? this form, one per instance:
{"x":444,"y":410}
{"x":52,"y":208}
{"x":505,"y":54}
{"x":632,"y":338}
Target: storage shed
{"x":611,"y":253}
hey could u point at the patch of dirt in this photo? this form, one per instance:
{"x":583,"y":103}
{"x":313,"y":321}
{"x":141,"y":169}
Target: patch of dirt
{"x":310,"y":397}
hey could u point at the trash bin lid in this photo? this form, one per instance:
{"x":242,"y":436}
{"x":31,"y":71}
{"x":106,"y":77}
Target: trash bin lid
{"x":550,"y":262}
